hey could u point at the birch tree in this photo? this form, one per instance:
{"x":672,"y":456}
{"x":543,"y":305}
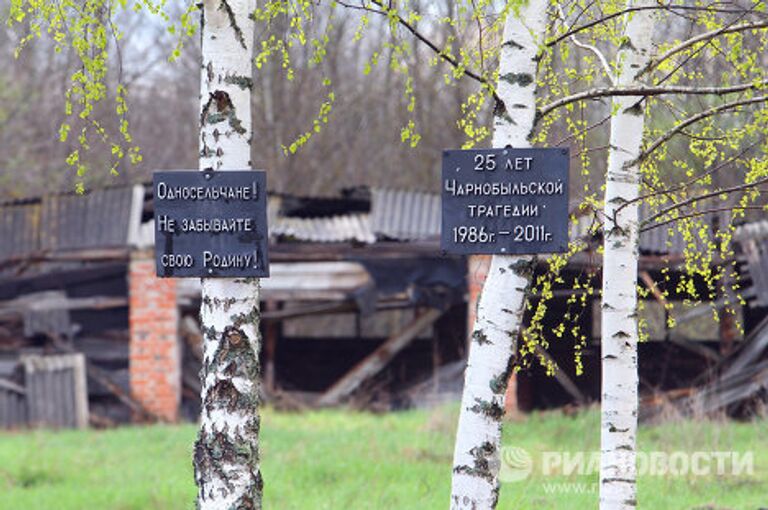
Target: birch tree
{"x":227,"y":450}
{"x":500,"y":307}
{"x":619,"y":408}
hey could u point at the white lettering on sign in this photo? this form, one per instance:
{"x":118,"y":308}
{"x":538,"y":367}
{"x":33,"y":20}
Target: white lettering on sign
{"x":217,"y":225}
{"x":504,"y":188}
{"x":501,"y":211}
{"x":165,"y":192}
{"x":487,"y":163}
{"x":229,"y":260}
{"x":505,"y":201}
{"x":177,"y":260}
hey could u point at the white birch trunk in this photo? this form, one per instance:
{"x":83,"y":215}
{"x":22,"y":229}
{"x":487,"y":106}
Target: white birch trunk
{"x":227,"y":450}
{"x":619,"y":333}
{"x":500,"y":307}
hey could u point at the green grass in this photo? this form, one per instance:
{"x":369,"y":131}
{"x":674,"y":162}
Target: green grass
{"x":340,"y":460}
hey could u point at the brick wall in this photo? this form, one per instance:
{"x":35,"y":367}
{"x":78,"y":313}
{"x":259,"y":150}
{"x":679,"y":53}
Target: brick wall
{"x":155,"y":371}
{"x":477,"y":271}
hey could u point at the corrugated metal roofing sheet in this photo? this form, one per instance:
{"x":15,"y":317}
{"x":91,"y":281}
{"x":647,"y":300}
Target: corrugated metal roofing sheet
{"x":19,"y":229}
{"x":101,"y":218}
{"x":405,"y":215}
{"x":753,"y":238}
{"x":350,"y":227}
{"x":98,"y":219}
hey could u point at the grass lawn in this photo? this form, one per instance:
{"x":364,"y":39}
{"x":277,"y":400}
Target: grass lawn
{"x":344,"y":460}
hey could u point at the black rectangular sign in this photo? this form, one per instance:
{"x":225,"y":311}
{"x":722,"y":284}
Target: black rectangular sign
{"x":211,"y":224}
{"x":505,"y":201}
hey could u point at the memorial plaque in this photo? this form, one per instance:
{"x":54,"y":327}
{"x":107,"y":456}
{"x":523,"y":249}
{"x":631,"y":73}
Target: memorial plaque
{"x":211,"y":224}
{"x":505,"y":201}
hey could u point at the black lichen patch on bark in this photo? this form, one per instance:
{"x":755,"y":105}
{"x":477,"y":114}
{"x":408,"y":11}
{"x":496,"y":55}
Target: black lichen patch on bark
{"x":481,"y":467}
{"x":499,"y":383}
{"x":636,"y":109}
{"x":520,"y":79}
{"x":490,"y":409}
{"x":241,"y":319}
{"x":523,"y":267}
{"x":235,"y":357}
{"x":210,"y":334}
{"x":500,"y":112}
{"x":213,"y":450}
{"x":480,"y":337}
{"x":513,"y":44}
{"x":613,"y":428}
{"x":618,"y":200}
{"x":219,"y":108}
{"x":244,"y":82}
{"x":224,"y":6}
{"x":617,"y":231}
{"x":224,"y":395}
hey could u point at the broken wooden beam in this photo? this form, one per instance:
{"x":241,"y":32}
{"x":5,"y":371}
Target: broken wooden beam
{"x":378,"y":359}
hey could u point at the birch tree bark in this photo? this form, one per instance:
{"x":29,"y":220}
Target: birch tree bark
{"x":227,"y":450}
{"x":500,"y":308}
{"x":619,"y":333}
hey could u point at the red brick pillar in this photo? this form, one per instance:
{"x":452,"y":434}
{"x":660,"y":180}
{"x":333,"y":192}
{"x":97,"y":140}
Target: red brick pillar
{"x":477,"y":271}
{"x":155,"y":361}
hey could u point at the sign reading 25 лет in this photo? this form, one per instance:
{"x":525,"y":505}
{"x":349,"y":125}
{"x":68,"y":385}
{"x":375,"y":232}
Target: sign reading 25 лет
{"x":505,"y":201}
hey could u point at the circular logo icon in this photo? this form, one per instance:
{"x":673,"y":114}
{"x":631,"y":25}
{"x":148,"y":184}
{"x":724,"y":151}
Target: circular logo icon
{"x":516,"y":464}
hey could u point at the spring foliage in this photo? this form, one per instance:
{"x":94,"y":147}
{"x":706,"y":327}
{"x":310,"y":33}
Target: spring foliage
{"x":705,"y":150}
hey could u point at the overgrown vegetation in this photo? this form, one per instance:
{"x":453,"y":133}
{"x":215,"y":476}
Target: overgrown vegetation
{"x":338,"y":459}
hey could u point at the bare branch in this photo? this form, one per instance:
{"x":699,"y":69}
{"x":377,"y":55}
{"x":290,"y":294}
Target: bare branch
{"x":692,"y":120}
{"x":661,"y":7}
{"x":732,"y":189}
{"x":420,"y":37}
{"x":700,"y":38}
{"x":668,"y":191}
{"x":701,"y":213}
{"x":645,"y":91}
{"x":591,"y":48}
{"x":585,"y":130}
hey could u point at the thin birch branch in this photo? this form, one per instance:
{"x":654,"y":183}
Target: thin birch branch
{"x":667,"y":191}
{"x":441,"y":53}
{"x":732,"y":189}
{"x":692,"y":120}
{"x":599,"y":54}
{"x":662,"y":7}
{"x":700,"y":38}
{"x":645,"y":91}
{"x":701,"y":213}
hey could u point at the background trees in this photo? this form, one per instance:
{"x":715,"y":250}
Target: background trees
{"x":369,"y":109}
{"x":703,"y":92}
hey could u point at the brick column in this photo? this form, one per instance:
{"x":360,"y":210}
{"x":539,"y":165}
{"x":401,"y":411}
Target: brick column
{"x":477,"y":270}
{"x":155,"y":361}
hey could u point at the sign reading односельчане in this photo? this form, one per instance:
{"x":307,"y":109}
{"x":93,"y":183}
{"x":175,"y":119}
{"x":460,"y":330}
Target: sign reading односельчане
{"x":211,"y":224}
